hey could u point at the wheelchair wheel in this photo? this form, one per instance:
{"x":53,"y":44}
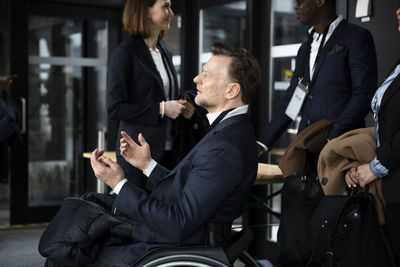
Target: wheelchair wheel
{"x":184,"y":260}
{"x":247,"y":260}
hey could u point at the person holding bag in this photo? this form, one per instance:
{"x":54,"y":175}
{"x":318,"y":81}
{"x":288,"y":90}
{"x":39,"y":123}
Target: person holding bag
{"x":386,"y":164}
{"x":334,"y":78}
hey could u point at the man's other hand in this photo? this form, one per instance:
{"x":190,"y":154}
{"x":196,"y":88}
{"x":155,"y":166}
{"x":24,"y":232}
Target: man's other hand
{"x":137,"y":155}
{"x":105,"y":169}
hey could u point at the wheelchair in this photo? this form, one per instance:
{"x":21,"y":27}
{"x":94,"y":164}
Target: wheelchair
{"x":205,"y":256}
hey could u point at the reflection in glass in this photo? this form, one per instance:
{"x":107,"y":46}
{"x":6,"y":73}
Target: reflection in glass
{"x":58,"y":37}
{"x":4,"y":69}
{"x":59,"y":80}
{"x":224,"y":23}
{"x":52,"y":94}
{"x":286,"y":28}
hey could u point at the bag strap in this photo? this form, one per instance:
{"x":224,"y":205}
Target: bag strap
{"x":358,"y":190}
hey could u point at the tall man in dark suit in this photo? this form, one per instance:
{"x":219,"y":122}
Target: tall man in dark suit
{"x":335,"y":78}
{"x":209,"y":186}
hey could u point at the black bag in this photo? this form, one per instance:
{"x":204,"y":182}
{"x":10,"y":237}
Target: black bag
{"x":300,"y":199}
{"x":346,"y":232}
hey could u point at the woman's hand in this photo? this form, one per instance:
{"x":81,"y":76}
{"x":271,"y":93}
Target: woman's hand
{"x":188,"y":111}
{"x":351,"y":177}
{"x":361,"y":175}
{"x":172,"y":109}
{"x":137,"y":155}
{"x":364,"y":175}
{"x":4,"y":81}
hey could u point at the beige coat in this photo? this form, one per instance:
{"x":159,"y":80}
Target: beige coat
{"x":344,"y":152}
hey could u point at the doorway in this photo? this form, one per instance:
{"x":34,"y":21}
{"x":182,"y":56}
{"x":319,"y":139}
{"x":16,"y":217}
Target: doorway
{"x":60,"y":56}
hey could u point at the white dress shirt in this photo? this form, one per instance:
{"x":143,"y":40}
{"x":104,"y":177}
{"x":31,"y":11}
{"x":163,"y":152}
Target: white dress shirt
{"x":317,"y":42}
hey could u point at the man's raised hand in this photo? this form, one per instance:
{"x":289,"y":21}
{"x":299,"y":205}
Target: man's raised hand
{"x":137,"y":155}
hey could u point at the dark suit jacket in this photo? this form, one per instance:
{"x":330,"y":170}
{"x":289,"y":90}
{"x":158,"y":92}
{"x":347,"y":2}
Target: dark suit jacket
{"x":344,"y":81}
{"x":211,"y":184}
{"x":134,"y":91}
{"x":389,"y":135}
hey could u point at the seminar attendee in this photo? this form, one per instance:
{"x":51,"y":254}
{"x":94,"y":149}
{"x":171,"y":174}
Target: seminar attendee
{"x":386,"y":165}
{"x":142,"y":83}
{"x":336,"y":67}
{"x":8,"y":128}
{"x":210,"y":185}
{"x":7,"y":118}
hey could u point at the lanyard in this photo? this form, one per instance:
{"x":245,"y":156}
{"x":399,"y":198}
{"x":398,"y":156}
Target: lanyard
{"x":321,"y":45}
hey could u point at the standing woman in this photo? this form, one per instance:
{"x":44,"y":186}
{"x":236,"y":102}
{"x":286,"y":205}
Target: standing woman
{"x":142,"y":83}
{"x":386,"y":165}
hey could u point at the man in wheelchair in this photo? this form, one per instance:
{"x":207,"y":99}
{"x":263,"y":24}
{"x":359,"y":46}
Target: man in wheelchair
{"x":195,"y":203}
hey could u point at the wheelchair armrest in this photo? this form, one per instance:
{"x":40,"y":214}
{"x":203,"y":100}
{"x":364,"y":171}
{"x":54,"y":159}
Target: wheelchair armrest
{"x":209,"y":254}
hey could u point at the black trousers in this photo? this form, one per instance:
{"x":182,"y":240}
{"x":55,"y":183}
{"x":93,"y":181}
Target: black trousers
{"x":109,"y":257}
{"x":393,"y":229}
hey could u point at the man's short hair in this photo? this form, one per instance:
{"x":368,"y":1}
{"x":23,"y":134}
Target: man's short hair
{"x":244,"y":68}
{"x":136,"y":18}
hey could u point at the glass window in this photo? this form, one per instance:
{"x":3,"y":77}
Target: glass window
{"x":224,"y":23}
{"x":286,"y":28}
{"x":173,"y":42}
{"x":59,"y":79}
{"x":4,"y":69}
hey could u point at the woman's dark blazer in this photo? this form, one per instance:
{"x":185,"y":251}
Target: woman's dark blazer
{"x":134,"y":91}
{"x":389,"y":135}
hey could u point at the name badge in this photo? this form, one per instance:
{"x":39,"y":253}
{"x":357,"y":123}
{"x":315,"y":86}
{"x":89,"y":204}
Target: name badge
{"x":295,"y":104}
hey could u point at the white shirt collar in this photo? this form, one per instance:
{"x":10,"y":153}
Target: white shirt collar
{"x":315,"y":45}
{"x":332,"y":27}
{"x":237,"y":111}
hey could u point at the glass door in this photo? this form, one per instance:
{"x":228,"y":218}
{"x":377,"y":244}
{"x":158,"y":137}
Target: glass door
{"x":63,"y":108}
{"x":56,"y":114}
{"x":221,"y":23}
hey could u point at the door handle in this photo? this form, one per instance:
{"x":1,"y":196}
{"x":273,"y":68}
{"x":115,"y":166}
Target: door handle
{"x":23,"y":114}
